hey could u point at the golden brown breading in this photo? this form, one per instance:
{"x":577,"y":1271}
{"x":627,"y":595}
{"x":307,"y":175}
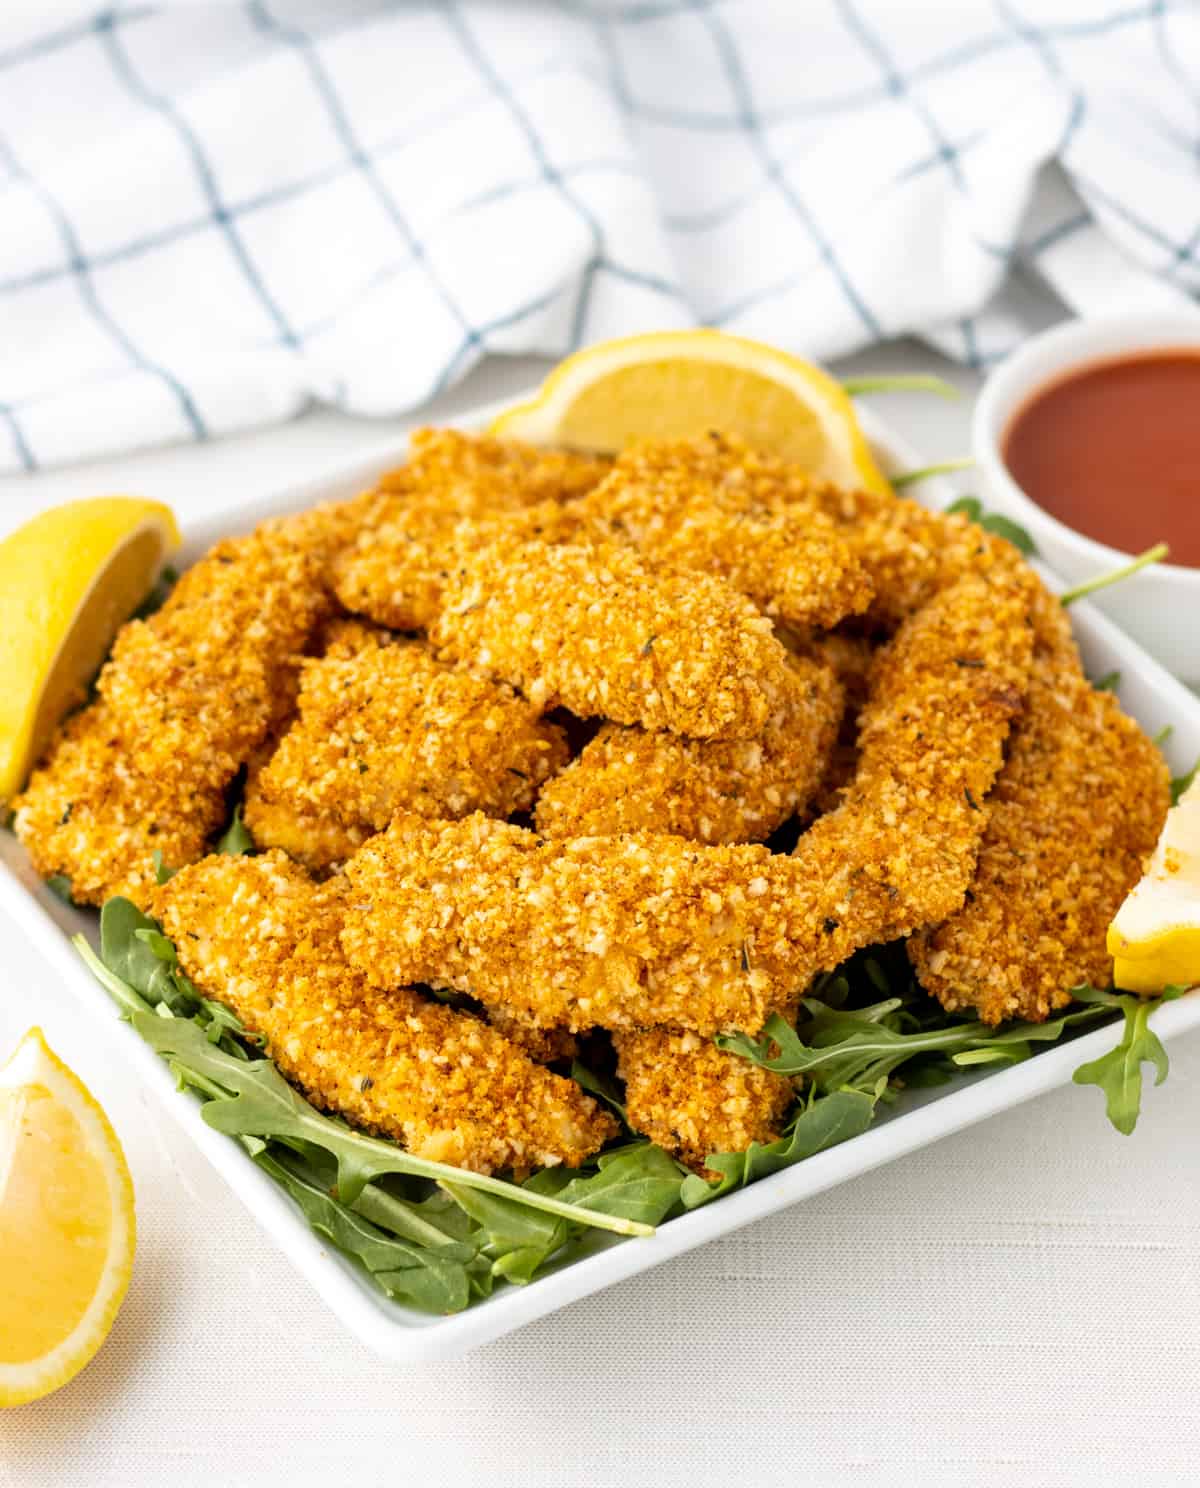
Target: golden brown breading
{"x":1076,"y":809}
{"x":475,"y":472}
{"x":601,"y":632}
{"x":695,"y":503}
{"x":186,"y":699}
{"x":692,"y":1098}
{"x":430,"y":508}
{"x":91,"y":814}
{"x":383,"y":727}
{"x":260,"y":936}
{"x":738,"y":790}
{"x":899,"y":852}
{"x":546,"y":1045}
{"x":610,"y":932}
{"x":319,"y":842}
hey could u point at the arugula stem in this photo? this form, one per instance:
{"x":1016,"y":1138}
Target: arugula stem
{"x":121,"y":992}
{"x":1156,"y":554}
{"x":946,"y":467}
{"x":904,"y":383}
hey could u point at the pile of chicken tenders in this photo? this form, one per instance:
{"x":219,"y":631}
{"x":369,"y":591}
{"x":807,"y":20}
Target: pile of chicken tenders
{"x":526,"y":725}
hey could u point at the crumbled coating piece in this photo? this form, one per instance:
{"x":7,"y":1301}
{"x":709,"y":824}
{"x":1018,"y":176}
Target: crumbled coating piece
{"x":475,"y":472}
{"x":1076,"y":809}
{"x":383,"y":727}
{"x":319,"y":842}
{"x":602,"y":632}
{"x":454,"y":489}
{"x":899,"y":851}
{"x":546,"y":1045}
{"x":90,"y":813}
{"x":692,"y":1098}
{"x":697,"y":504}
{"x":711,"y":790}
{"x":186,"y":698}
{"x":258,"y":935}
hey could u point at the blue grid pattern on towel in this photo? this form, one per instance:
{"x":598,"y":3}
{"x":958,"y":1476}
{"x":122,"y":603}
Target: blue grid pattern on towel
{"x":244,"y":209}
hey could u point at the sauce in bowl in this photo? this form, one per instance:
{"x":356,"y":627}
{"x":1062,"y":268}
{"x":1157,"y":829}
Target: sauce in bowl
{"x":1113,"y":450}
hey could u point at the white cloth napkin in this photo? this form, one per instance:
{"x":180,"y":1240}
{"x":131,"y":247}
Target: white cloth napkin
{"x":212,"y":214}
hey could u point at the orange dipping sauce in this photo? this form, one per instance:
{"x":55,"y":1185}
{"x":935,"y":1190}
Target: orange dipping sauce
{"x":1113,"y":450}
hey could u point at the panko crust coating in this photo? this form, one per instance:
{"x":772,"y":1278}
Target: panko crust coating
{"x":454,"y":488}
{"x":1075,"y":812}
{"x":260,"y":936}
{"x":692,"y":1098}
{"x":715,"y":791}
{"x":384,"y":727}
{"x":599,"y":631}
{"x":698,"y":504}
{"x":186,"y":698}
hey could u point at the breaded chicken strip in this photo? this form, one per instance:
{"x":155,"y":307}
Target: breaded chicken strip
{"x":428,"y":510}
{"x":601,"y":632}
{"x":1075,"y":811}
{"x":737,"y":790}
{"x":692,"y":1098}
{"x":695,"y":504}
{"x":383,"y":727}
{"x":186,"y":699}
{"x":260,"y":936}
{"x":610,"y":932}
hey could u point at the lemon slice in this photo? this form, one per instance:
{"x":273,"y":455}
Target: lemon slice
{"x":678,"y":384}
{"x":68,"y":578}
{"x":1155,"y":937}
{"x":66,"y":1224}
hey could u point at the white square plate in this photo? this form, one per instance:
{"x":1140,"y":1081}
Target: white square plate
{"x":1147,"y":691}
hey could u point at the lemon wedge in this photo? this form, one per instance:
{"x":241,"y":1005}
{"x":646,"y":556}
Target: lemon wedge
{"x":68,"y":578}
{"x":1155,"y":937}
{"x":66,"y":1224}
{"x":679,"y":384}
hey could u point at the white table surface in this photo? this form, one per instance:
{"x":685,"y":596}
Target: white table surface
{"x":1018,"y":1304}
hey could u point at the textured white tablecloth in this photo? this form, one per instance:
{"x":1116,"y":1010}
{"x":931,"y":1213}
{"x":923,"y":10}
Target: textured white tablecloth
{"x":1017,"y":1305}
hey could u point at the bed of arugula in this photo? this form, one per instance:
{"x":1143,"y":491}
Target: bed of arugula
{"x":438,"y":1238}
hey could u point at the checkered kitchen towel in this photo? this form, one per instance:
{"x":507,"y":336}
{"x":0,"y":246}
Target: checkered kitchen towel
{"x":212,"y":214}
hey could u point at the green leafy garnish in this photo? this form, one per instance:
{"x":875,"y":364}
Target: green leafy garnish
{"x":1182,"y":783}
{"x":927,"y":472}
{"x":1108,"y":683}
{"x":236,"y":838}
{"x":994,"y":522}
{"x":914,"y":382}
{"x":1119,"y":1072}
{"x":60,"y":886}
{"x":333,"y":1173}
{"x":823,"y":1122}
{"x":1156,"y":554}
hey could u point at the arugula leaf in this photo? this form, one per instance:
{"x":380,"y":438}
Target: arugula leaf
{"x":236,"y":838}
{"x":1001,"y":526}
{"x":994,"y":522}
{"x":133,"y":947}
{"x":162,"y":874}
{"x":913,"y":382}
{"x":863,"y":1047}
{"x":517,"y":1240}
{"x":1182,"y":782}
{"x":825,"y":1121}
{"x":1156,"y":554}
{"x":434,"y":1281}
{"x":1119,"y":1072}
{"x":944,"y":467}
{"x":1108,"y":683}
{"x":601,"y":1088}
{"x":60,"y":886}
{"x":638,"y":1181}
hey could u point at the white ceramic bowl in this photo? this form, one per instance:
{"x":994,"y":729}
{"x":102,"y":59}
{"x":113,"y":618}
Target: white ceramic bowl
{"x":1160,"y":606}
